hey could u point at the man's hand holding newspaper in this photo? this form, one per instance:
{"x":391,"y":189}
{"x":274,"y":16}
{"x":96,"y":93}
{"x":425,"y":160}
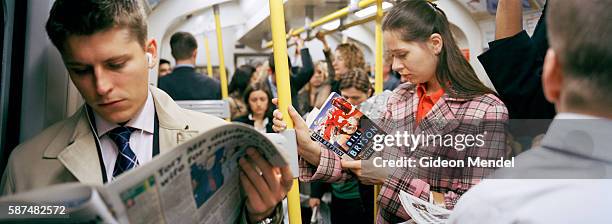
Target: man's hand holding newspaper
{"x":264,"y":189}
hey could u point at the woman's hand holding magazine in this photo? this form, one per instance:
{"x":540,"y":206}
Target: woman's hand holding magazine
{"x":355,"y":167}
{"x":310,"y":149}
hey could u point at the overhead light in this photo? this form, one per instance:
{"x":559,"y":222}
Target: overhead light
{"x":371,"y":10}
{"x":331,"y":25}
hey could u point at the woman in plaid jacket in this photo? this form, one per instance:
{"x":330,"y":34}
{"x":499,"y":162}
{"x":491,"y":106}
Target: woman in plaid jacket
{"x":444,"y":98}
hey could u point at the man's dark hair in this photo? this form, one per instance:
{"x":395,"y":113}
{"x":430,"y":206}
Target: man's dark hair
{"x":87,"y":17}
{"x":163,"y":61}
{"x":182,"y":45}
{"x":580,"y":33}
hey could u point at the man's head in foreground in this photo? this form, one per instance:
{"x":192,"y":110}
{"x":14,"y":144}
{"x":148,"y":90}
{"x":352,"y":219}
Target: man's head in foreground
{"x":577,"y":74}
{"x":105,"y":49}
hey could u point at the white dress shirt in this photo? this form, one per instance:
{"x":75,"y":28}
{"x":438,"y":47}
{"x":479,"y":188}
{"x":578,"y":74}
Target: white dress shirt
{"x":141,"y":140}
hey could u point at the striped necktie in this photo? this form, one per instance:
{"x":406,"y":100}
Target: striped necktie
{"x":126,"y":158}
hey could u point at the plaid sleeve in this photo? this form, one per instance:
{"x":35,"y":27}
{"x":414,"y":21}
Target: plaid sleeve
{"x":329,"y":169}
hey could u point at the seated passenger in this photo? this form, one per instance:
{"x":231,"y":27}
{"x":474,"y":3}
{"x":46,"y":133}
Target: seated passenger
{"x":259,"y":106}
{"x":105,"y":48}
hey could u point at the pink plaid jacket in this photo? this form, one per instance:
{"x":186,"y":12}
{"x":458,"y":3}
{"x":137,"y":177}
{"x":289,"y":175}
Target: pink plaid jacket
{"x":484,"y":114}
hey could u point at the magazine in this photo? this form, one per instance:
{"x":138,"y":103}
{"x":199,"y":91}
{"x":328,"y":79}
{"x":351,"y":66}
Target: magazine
{"x":423,"y":212}
{"x":197,"y":182}
{"x":344,"y":129}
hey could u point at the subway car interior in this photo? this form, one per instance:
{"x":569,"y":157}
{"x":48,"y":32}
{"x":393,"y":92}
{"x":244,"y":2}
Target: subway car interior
{"x":379,"y":64}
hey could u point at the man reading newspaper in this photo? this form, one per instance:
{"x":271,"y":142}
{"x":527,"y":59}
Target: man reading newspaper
{"x":125,"y":122}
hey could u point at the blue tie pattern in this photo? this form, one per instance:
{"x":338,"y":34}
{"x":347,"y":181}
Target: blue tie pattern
{"x":126,"y":158}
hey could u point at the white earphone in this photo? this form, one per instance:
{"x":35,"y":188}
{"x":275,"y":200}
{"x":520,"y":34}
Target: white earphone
{"x":149,"y":59}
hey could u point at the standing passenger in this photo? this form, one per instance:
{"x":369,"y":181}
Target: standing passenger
{"x":184,"y":83}
{"x":297,"y":80}
{"x":352,"y":202}
{"x":444,"y":97}
{"x":316,"y":92}
{"x":347,"y":57}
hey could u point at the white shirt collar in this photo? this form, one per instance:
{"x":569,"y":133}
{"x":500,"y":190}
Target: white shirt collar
{"x":184,"y":65}
{"x":142,"y":121}
{"x":568,"y":115}
{"x":264,"y":123}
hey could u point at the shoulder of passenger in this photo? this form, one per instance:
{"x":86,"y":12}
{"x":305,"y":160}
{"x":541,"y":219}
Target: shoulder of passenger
{"x":402,"y":92}
{"x":489,"y":99}
{"x":37,"y":144}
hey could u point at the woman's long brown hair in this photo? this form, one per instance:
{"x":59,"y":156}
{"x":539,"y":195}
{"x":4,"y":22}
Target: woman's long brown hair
{"x":417,"y":20}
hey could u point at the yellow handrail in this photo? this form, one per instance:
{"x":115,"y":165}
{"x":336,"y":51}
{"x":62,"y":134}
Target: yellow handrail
{"x":223,"y":73}
{"x":325,"y":19}
{"x":378,"y":76}
{"x":281,"y":69}
{"x":208,"y":65}
{"x":340,"y":28}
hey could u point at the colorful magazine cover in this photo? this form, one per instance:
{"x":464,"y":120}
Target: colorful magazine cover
{"x":344,"y":129}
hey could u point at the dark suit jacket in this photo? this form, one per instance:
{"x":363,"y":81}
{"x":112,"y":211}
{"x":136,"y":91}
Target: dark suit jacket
{"x":300,"y":78}
{"x":514,"y":65}
{"x":186,"y":84}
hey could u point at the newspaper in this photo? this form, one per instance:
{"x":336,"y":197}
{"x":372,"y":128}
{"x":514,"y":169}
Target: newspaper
{"x":423,"y":212}
{"x":343,"y":129}
{"x":197,"y":182}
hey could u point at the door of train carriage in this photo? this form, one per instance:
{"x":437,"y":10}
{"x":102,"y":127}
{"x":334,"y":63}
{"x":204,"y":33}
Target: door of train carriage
{"x":35,"y":90}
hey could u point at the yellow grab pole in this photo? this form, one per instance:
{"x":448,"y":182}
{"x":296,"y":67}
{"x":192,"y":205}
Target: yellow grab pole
{"x":208,"y":65}
{"x":378,"y":84}
{"x":223,"y":74}
{"x":281,"y":69}
{"x":337,"y":14}
{"x":340,"y":28}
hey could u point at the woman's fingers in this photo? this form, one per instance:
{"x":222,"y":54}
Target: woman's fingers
{"x":278,"y":125}
{"x":298,"y":121}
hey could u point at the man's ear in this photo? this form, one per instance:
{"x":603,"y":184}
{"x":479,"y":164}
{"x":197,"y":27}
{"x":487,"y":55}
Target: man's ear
{"x":151,"y":48}
{"x":194,"y":54}
{"x":552,"y":77}
{"x":435,"y":43}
